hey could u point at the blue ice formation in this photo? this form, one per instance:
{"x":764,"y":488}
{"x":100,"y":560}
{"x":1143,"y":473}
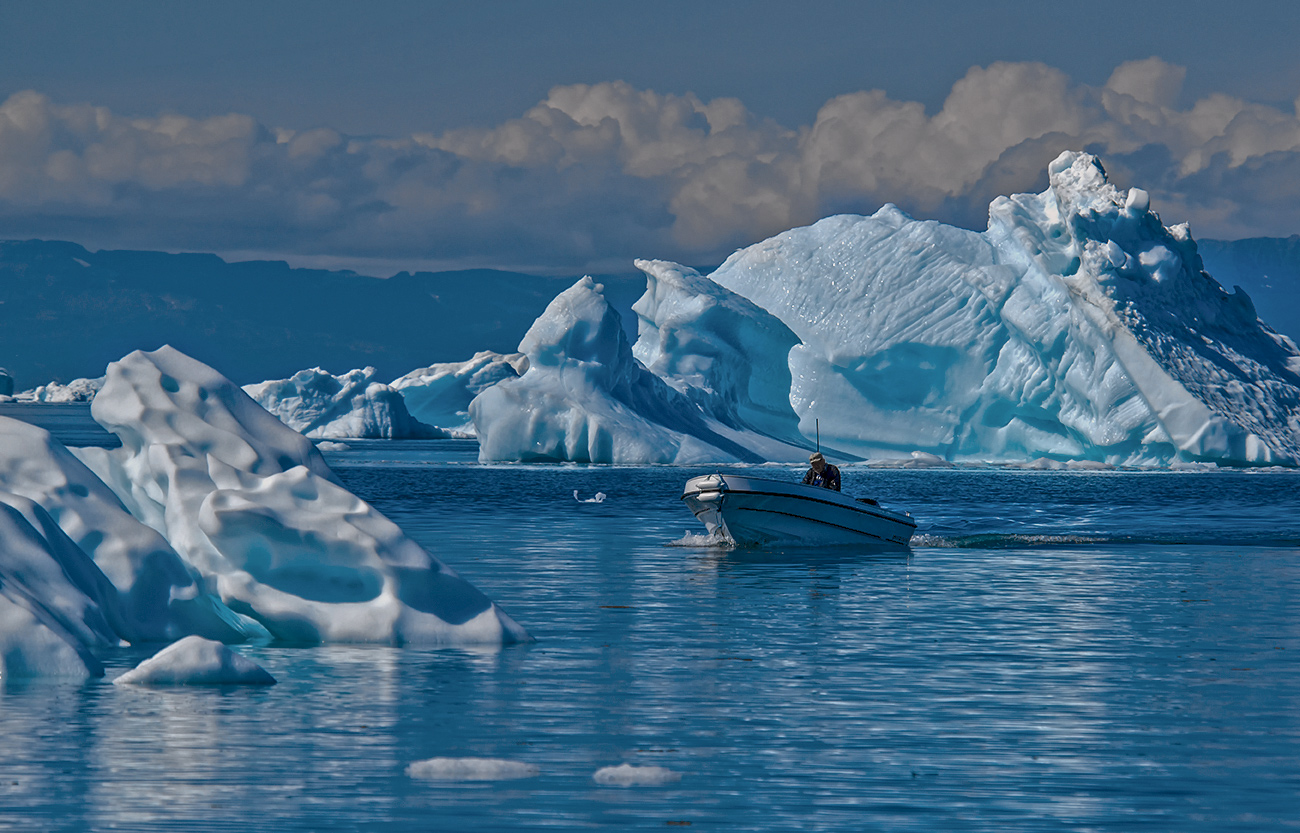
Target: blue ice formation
{"x":1076,"y":327}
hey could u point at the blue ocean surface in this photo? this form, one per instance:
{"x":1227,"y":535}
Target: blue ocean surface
{"x":1112,"y":651}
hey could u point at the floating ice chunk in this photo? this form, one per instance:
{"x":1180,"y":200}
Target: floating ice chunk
{"x":471,"y":769}
{"x":585,"y":398}
{"x":440,"y":394}
{"x":598,"y":498}
{"x":196,"y":661}
{"x":353,"y":405}
{"x":252,"y":505}
{"x":626,"y":775}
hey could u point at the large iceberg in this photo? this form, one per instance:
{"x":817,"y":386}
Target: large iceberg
{"x":351,"y":406}
{"x":1077,"y":326}
{"x":213,"y":519}
{"x":586,"y":398}
{"x":440,"y":393}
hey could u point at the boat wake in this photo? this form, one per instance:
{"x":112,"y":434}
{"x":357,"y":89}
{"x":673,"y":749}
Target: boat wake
{"x":707,"y":540}
{"x":1016,"y":540}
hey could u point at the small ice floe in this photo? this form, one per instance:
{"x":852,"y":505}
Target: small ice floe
{"x":330,"y":445}
{"x":471,"y":769}
{"x":626,"y":775}
{"x":196,"y":661}
{"x":598,"y":498}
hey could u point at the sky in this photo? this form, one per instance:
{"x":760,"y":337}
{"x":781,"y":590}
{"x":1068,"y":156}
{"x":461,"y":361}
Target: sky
{"x":566,"y":136}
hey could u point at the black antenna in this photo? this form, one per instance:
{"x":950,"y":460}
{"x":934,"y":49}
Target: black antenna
{"x":818,"y":424}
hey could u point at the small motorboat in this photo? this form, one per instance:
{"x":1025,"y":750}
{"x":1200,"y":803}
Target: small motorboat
{"x":754,"y":510}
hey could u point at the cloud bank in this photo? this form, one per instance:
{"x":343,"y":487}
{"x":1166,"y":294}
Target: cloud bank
{"x":598,"y":174}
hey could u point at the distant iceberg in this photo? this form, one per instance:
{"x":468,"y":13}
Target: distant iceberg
{"x":585,"y":397}
{"x":78,"y":390}
{"x":351,"y":406}
{"x":213,"y":519}
{"x":440,"y":394}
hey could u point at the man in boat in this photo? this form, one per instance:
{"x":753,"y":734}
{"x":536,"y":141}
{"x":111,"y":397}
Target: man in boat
{"x":822,"y":473}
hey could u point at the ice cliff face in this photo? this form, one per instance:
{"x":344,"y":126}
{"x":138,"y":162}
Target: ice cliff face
{"x":1076,"y":326}
{"x":722,"y":352}
{"x":354,"y":405}
{"x":586,"y":398}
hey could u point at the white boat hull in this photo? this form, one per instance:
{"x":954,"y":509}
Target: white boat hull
{"x":756,"y":511}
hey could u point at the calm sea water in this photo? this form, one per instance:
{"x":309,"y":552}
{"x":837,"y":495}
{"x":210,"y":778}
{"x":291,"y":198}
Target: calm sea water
{"x":1061,"y":651}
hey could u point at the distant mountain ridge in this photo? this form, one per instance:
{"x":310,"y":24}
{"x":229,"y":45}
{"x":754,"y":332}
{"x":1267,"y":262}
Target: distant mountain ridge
{"x":1268,"y":268}
{"x":66,"y":312}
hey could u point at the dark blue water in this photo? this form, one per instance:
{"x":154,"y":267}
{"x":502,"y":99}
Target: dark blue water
{"x":1067,"y":651}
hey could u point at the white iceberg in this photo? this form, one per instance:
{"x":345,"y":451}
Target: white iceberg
{"x":626,"y":775}
{"x":471,"y":769}
{"x":440,"y":393}
{"x":196,"y":661}
{"x":351,"y":406}
{"x":1076,"y":327}
{"x":586,"y":398}
{"x":251,"y":504}
{"x":78,"y":390}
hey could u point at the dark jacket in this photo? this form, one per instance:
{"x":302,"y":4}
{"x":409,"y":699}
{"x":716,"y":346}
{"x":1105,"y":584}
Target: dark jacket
{"x":828,"y":479}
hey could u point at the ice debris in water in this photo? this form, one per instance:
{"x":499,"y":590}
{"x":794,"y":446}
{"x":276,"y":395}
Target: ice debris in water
{"x":471,"y":769}
{"x":354,"y":405}
{"x":213,"y":519}
{"x":1077,"y":326}
{"x":196,"y":661}
{"x":626,"y":775}
{"x":598,"y":498}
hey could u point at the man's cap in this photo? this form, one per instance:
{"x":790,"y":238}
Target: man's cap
{"x":815,"y":457}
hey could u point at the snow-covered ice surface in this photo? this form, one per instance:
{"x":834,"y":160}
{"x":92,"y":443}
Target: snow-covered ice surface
{"x":586,"y":398}
{"x":253,"y":507}
{"x":440,"y":393}
{"x":1076,"y":327}
{"x":353,"y":405}
{"x":471,"y":769}
{"x":196,"y":661}
{"x":626,"y":775}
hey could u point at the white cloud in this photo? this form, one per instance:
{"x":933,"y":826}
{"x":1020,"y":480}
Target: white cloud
{"x":607,"y":171}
